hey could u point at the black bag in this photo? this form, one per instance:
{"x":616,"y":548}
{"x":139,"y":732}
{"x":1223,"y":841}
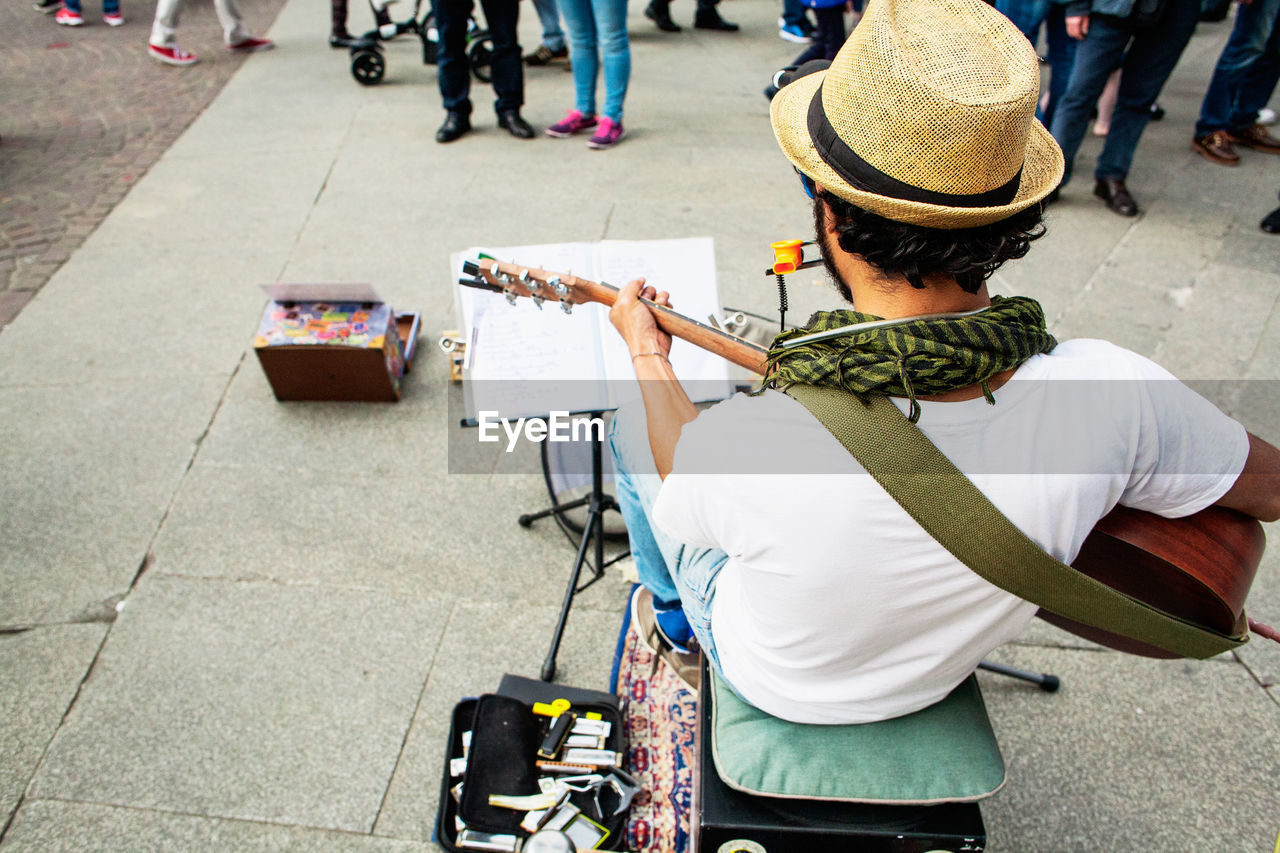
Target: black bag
{"x":505,"y":734}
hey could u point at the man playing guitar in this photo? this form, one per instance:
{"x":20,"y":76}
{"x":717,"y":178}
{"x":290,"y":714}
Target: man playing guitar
{"x":759,"y":539}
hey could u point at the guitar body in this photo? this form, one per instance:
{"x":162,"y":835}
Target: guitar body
{"x":1198,"y":568}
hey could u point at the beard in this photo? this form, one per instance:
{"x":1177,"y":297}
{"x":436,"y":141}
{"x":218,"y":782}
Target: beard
{"x":825,"y":243}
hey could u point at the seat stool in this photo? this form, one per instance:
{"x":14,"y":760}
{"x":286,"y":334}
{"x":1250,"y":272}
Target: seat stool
{"x":725,"y":820}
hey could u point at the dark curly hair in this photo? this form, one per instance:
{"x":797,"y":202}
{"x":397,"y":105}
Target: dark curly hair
{"x":971,"y":255}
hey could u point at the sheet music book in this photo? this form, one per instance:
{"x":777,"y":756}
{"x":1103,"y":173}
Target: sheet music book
{"x":543,"y":360}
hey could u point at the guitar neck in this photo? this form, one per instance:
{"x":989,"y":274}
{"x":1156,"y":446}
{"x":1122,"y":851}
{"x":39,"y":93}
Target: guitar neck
{"x":514,"y":281}
{"x":729,"y":347}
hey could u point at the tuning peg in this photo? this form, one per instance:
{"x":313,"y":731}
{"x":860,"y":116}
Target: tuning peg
{"x":566,"y":306}
{"x":524,"y":277}
{"x":511,"y":296}
{"x":558,"y":286}
{"x":538,"y":300}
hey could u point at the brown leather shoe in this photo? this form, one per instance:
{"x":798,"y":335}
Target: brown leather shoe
{"x":1116,"y":195}
{"x":1255,"y":137}
{"x":1217,"y":147}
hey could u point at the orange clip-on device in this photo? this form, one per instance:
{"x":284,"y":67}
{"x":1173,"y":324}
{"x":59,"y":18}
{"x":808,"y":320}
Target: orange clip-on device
{"x":788,"y":255}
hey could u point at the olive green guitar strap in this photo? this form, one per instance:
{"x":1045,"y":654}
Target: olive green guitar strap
{"x":953,"y":511}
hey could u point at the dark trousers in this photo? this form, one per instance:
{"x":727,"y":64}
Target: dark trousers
{"x":1152,"y":54}
{"x":828,"y":38}
{"x":454,"y":71}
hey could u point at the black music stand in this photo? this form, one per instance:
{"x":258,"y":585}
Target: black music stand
{"x":597,"y":501}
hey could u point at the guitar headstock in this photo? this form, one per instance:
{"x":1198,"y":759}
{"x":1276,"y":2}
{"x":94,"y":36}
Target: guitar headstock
{"x":515,"y":282}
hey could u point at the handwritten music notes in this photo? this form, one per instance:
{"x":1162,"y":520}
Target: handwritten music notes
{"x":543,"y":360}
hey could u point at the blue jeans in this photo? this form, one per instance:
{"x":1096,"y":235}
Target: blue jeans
{"x":1151,"y":55}
{"x":549,"y":16}
{"x":1247,"y":70}
{"x":598,"y":35}
{"x":793,"y":15}
{"x":109,"y":7}
{"x":1028,"y":16}
{"x":682,"y":578}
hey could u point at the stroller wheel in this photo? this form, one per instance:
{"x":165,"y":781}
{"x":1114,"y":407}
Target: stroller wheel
{"x":480,"y":56}
{"x":367,"y":66}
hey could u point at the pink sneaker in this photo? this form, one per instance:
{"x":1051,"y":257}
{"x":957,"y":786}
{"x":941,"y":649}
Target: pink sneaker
{"x":68,"y":18}
{"x":113,"y":19}
{"x":574,"y":122}
{"x":250,"y":45}
{"x":608,"y":134}
{"x":172,"y":55}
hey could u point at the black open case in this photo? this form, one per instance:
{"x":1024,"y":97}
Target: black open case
{"x":504,"y":739}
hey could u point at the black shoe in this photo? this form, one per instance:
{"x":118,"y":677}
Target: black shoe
{"x":1271,"y":223}
{"x":510,"y":121}
{"x":1116,"y":195}
{"x":341,"y":41}
{"x":661,"y":17}
{"x":1157,"y":112}
{"x":455,"y":125}
{"x":710,"y":19}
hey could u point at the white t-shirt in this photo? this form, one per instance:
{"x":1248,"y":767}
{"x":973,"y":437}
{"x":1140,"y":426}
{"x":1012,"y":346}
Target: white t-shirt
{"x":836,"y":607}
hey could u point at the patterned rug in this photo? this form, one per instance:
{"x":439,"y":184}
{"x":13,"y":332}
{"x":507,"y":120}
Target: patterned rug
{"x":659,"y":711}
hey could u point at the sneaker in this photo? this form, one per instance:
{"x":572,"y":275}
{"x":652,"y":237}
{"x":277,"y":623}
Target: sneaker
{"x":545,"y":55}
{"x":608,"y":134}
{"x":250,"y":45}
{"x":1266,"y":116}
{"x":172,"y":55}
{"x":47,"y":7}
{"x":68,"y":18}
{"x":794,"y":33}
{"x":113,"y":19}
{"x":574,"y":122}
{"x":686,"y":665}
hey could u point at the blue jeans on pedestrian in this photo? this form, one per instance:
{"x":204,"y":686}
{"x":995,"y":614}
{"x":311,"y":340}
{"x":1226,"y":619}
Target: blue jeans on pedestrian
{"x":1147,"y":57}
{"x":549,"y":16}
{"x":682,"y":578}
{"x":109,"y":7}
{"x":793,"y":15}
{"x":1247,"y":70}
{"x":1028,"y":16}
{"x":598,"y":36}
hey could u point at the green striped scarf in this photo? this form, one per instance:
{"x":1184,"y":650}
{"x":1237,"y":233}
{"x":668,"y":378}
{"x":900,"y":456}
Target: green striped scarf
{"x":916,"y":357}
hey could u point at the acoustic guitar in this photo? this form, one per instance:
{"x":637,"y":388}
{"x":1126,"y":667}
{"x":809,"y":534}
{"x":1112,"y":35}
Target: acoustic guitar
{"x":1198,"y":568}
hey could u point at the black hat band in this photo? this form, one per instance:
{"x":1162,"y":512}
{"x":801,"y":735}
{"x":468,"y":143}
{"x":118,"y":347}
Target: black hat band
{"x":861,"y":175}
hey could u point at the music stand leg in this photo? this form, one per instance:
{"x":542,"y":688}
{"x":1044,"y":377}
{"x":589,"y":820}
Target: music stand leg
{"x":1048,"y":683}
{"x":597,"y":502}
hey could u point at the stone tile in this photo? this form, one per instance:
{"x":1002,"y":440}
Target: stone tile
{"x":1132,"y":754}
{"x":404,"y":534}
{"x":244,"y":700}
{"x":91,"y":470}
{"x":44,"y":825}
{"x":478,"y":648}
{"x":1224,"y":313}
{"x":40,"y":672}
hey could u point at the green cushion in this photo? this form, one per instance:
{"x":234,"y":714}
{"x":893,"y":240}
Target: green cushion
{"x":944,"y":753}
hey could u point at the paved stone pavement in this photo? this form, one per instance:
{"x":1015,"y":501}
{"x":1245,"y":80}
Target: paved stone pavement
{"x":229,"y":624}
{"x":84,"y":112}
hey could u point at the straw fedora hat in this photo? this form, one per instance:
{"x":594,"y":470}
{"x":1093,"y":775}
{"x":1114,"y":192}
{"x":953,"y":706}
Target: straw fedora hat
{"x":926,"y":116}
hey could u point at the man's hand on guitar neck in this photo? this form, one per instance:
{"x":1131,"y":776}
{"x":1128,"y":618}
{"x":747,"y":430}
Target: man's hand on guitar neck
{"x":667,"y":406}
